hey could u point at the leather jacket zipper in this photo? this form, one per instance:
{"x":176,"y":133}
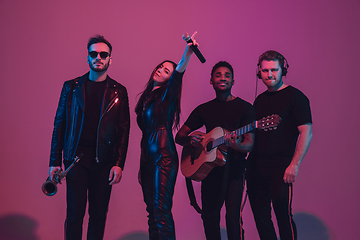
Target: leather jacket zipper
{"x":71,"y":132}
{"x":111,"y":104}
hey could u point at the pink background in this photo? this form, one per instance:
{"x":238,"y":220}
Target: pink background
{"x":43,"y":43}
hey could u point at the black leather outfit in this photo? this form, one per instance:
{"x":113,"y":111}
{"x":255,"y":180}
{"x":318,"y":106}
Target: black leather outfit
{"x":159,"y":160}
{"x":113,"y":130}
{"x":89,"y":181}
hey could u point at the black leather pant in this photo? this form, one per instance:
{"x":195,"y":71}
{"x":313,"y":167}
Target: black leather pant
{"x":158,"y":168}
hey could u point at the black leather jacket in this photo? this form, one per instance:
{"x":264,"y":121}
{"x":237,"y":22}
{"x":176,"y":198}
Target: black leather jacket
{"x":113,"y":127}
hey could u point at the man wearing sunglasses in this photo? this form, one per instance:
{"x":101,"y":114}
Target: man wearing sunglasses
{"x":92,"y":119}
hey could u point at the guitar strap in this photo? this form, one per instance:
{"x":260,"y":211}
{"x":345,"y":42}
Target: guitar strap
{"x":192,"y":197}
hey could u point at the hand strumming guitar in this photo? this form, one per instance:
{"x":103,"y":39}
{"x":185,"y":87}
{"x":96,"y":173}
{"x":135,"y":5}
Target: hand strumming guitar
{"x":197,"y":139}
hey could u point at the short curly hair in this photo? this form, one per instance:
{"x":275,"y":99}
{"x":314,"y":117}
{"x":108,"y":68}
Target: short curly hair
{"x":222,"y":64}
{"x":99,"y":39}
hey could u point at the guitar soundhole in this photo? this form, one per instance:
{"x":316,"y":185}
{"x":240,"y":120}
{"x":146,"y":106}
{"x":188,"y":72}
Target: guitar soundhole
{"x":209,"y":146}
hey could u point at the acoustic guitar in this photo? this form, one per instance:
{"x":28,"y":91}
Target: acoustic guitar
{"x":197,"y":162}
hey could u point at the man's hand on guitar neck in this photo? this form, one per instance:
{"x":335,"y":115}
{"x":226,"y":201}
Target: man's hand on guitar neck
{"x":232,"y":139}
{"x":238,"y":143}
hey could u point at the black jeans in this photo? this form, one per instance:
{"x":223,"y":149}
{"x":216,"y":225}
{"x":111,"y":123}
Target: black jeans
{"x":87,"y":183}
{"x":266,"y":191}
{"x":210,"y":197}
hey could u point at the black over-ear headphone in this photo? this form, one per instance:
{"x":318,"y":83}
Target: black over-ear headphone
{"x":273,"y":55}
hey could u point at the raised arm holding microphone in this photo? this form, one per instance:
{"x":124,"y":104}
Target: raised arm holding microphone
{"x":158,"y":112}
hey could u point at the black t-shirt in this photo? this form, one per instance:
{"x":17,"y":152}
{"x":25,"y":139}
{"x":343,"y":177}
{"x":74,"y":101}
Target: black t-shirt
{"x":94,"y":92}
{"x":229,"y":115}
{"x":274,"y":149}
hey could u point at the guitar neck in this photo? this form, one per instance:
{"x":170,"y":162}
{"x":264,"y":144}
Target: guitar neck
{"x":246,"y":128}
{"x":217,"y":142}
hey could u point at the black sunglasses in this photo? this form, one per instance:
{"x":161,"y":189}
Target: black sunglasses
{"x":103,"y":55}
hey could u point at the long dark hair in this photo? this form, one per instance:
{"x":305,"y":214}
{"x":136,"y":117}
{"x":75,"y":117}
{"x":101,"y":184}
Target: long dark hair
{"x":147,"y":97}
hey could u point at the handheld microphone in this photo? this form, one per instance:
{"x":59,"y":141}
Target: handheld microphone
{"x":195,"y":49}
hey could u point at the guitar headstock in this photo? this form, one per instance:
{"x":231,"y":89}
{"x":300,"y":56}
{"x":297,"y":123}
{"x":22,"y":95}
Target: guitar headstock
{"x":269,"y":122}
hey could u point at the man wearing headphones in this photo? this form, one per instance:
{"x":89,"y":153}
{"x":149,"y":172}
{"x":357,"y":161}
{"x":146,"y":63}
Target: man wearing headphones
{"x":274,"y":162}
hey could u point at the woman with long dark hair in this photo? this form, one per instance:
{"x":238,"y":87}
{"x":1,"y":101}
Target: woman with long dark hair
{"x":158,"y":112}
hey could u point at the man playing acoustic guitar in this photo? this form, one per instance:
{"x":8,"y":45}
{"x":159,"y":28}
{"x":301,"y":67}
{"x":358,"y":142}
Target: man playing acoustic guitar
{"x":229,"y":113}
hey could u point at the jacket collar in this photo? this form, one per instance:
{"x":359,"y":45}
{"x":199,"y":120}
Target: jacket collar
{"x":79,"y":89}
{"x":110,"y":94}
